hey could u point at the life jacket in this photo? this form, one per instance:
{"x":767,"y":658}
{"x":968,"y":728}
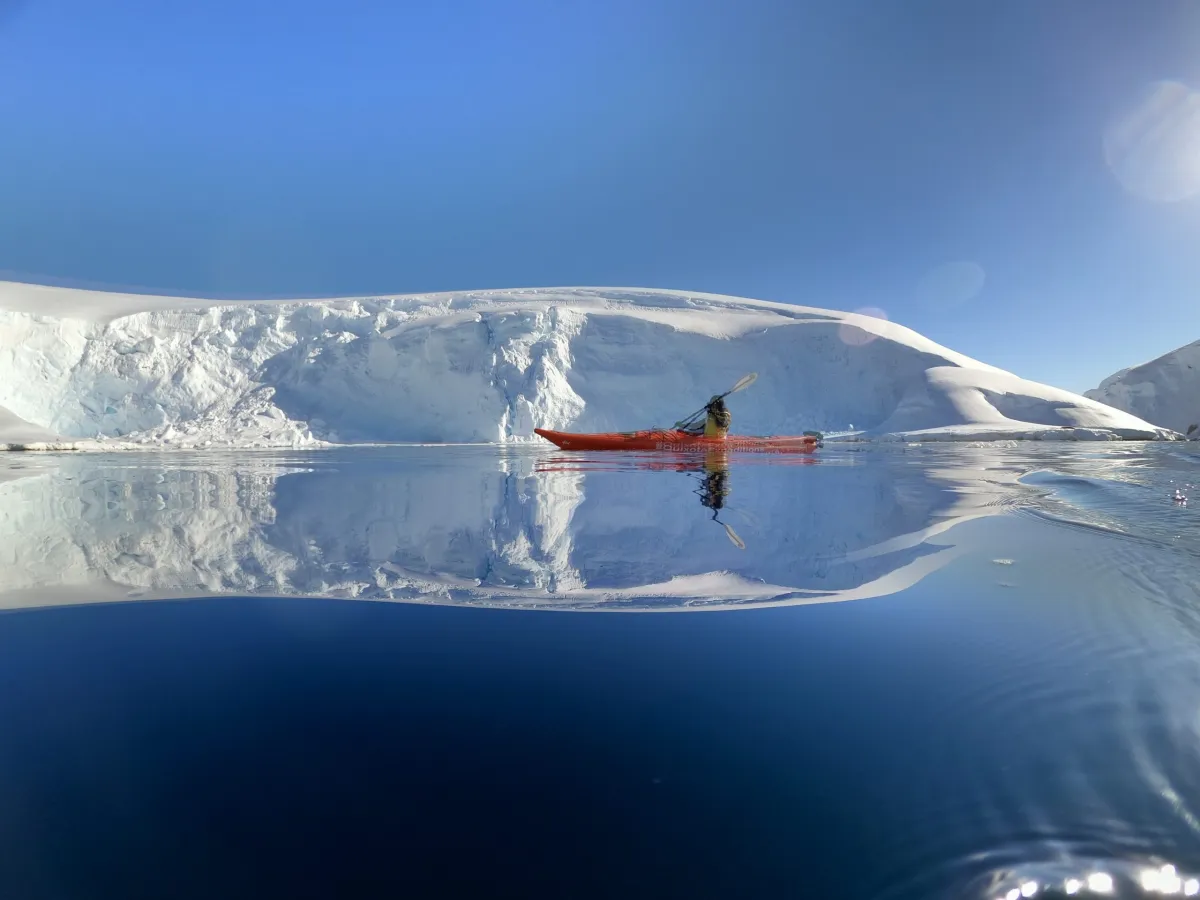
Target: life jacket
{"x":717,"y":422}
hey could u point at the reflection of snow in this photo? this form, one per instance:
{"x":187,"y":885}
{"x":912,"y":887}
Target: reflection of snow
{"x":478,"y":526}
{"x":545,"y":546}
{"x":142,"y":529}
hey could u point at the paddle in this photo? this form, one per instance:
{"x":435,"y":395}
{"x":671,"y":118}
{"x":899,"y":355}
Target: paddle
{"x":733,"y":535}
{"x":744,"y":382}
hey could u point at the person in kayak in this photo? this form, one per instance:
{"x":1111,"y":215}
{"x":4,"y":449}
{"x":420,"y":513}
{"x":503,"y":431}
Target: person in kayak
{"x":717,"y":420}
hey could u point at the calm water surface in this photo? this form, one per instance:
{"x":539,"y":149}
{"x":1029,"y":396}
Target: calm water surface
{"x":878,"y":672}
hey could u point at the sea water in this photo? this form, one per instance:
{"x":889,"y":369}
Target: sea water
{"x":873,"y":671}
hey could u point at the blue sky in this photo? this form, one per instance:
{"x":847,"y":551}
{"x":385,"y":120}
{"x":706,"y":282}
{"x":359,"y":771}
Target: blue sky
{"x":832,"y":153}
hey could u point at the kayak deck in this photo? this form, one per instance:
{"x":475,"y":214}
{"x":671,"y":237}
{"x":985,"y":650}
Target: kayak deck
{"x":675,"y":441}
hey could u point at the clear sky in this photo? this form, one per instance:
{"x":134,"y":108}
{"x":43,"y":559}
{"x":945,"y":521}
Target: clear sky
{"x":835,"y":153}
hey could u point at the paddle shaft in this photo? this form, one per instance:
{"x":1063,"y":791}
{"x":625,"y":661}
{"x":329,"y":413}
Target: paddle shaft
{"x":744,"y":382}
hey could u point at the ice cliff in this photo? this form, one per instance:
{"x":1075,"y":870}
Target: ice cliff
{"x":89,"y":368}
{"x":1165,"y":391}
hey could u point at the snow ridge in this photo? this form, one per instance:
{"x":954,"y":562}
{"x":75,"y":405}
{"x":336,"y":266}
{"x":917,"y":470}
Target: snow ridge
{"x":92,"y":369}
{"x":1165,"y":391}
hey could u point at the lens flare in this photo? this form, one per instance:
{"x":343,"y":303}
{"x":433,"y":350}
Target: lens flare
{"x":950,"y":285}
{"x":1153,"y":146}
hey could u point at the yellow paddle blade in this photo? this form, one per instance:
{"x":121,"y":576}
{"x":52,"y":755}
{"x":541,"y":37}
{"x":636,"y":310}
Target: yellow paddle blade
{"x":733,"y":536}
{"x":744,"y":382}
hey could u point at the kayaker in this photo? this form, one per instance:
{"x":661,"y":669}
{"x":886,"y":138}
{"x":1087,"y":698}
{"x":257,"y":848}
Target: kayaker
{"x":717,"y":420}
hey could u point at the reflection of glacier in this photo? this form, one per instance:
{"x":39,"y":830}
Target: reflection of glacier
{"x":476,"y":526}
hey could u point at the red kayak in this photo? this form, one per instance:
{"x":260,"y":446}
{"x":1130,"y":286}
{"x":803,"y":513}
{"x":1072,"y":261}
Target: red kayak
{"x":675,"y":441}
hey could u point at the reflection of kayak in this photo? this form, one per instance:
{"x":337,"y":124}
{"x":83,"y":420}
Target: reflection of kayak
{"x":665,"y":462}
{"x":675,"y":441}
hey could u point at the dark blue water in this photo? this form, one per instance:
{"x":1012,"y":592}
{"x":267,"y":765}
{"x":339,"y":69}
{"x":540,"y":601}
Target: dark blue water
{"x":958,"y":672}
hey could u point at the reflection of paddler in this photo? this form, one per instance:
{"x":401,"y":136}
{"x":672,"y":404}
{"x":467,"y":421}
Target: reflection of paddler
{"x":716,"y":481}
{"x":715,"y":488}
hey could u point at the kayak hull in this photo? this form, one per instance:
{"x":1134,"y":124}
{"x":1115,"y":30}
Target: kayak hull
{"x":673,"y":441}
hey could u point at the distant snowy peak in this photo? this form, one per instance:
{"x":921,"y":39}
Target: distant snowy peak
{"x":1165,"y":391}
{"x":485,"y":366}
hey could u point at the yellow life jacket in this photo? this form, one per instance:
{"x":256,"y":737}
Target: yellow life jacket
{"x":717,"y":426}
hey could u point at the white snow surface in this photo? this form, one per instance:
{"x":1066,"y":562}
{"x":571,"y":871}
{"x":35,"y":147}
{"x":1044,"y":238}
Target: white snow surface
{"x":89,"y":369}
{"x":15,"y":430}
{"x":1165,"y":391}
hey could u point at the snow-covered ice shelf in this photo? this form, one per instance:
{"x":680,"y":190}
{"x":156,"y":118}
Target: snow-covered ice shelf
{"x":97,"y":370}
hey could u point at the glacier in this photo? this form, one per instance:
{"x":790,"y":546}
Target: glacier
{"x":1165,"y":391}
{"x":83,"y":369}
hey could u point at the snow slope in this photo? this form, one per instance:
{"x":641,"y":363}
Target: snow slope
{"x":1165,"y":391}
{"x":143,"y":371}
{"x":15,"y":430}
